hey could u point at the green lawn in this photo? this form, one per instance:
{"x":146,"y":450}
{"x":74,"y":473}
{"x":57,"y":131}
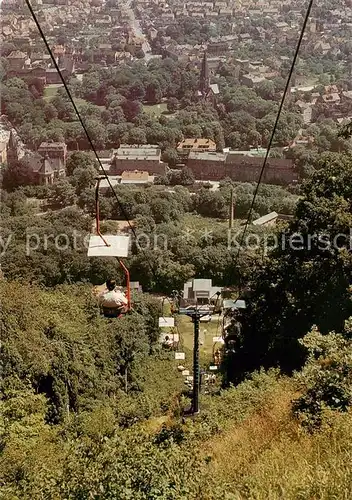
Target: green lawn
{"x":185,"y":328}
{"x":83,"y":102}
{"x":50,"y":91}
{"x":199,"y":225}
{"x":155,"y":109}
{"x":186,"y":331}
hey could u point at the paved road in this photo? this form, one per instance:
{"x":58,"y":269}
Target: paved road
{"x":137,"y":30}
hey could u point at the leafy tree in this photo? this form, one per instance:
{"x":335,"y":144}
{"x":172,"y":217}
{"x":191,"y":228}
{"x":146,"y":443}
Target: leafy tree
{"x":210,"y":204}
{"x":80,"y":160}
{"x":83,"y":178}
{"x":182,"y":177}
{"x":62,"y":194}
{"x":311,"y":260}
{"x":172,"y":104}
{"x":153,"y":92}
{"x":170,"y":157}
{"x":18,"y":174}
{"x":326,"y":377}
{"x":137,"y":136}
{"x":131,"y":109}
{"x":266,"y":89}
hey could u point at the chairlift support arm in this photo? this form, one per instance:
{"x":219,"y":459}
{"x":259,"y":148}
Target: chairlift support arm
{"x":128,"y":288}
{"x":97,"y":213}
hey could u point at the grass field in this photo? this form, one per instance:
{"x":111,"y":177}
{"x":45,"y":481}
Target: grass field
{"x":199,"y":225}
{"x":155,"y":109}
{"x":185,"y":328}
{"x":267,"y":456}
{"x":212,"y":329}
{"x":50,"y":91}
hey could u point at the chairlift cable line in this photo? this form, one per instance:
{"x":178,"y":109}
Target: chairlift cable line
{"x":309,"y":8}
{"x":124,"y":213}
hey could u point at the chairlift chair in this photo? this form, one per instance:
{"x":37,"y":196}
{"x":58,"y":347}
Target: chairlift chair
{"x":110,"y":245}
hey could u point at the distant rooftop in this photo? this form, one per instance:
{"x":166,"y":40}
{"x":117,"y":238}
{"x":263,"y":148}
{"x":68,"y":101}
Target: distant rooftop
{"x":52,"y":145}
{"x":201,"y":284}
{"x":17,"y":54}
{"x":198,"y":143}
{"x":254,"y":78}
{"x":135,"y":175}
{"x":265,"y":219}
{"x":207,"y":155}
{"x":137,"y":151}
{"x":114,"y":181}
{"x":250,"y":152}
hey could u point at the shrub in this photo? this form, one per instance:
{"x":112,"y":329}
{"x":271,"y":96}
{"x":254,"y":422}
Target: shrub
{"x":326,"y":377}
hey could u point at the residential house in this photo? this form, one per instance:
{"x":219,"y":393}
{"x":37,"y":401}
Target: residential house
{"x":251,"y":80}
{"x":55,"y":154}
{"x":322,"y":47}
{"x":198,"y":144}
{"x":16,"y":60}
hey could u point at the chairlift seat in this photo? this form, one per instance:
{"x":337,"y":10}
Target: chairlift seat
{"x":166,"y":322}
{"x":118,"y":246}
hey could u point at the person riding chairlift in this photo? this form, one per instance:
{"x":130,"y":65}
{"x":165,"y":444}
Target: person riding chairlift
{"x":112,"y":300}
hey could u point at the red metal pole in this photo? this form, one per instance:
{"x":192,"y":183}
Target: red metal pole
{"x":127,"y":274}
{"x":97,"y":218}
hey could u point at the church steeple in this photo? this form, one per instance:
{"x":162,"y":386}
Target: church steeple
{"x":204,"y":82}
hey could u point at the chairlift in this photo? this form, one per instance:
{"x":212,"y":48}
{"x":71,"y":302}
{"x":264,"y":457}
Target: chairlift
{"x":110,"y":245}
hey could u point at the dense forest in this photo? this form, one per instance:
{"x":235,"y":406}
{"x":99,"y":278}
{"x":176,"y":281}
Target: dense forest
{"x":113,"y":104}
{"x":93,"y":408}
{"x":163,"y":222}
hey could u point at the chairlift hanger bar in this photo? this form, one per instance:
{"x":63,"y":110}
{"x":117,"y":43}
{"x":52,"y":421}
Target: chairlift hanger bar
{"x":128,"y":287}
{"x":97,"y":213}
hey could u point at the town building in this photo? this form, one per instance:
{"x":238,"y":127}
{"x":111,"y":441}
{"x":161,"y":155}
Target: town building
{"x":207,"y":165}
{"x":15,"y":149}
{"x":199,"y":144}
{"x":55,"y":156}
{"x":200,"y":291}
{"x":266,"y":220}
{"x":16,"y":60}
{"x":144,"y":158}
{"x":241,"y":168}
{"x":46,"y":172}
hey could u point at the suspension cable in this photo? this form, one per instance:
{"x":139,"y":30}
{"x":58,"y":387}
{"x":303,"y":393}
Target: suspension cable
{"x":122,"y":208}
{"x":287,"y":86}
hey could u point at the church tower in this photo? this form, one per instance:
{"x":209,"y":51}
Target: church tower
{"x":206,"y":90}
{"x":204,"y":82}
